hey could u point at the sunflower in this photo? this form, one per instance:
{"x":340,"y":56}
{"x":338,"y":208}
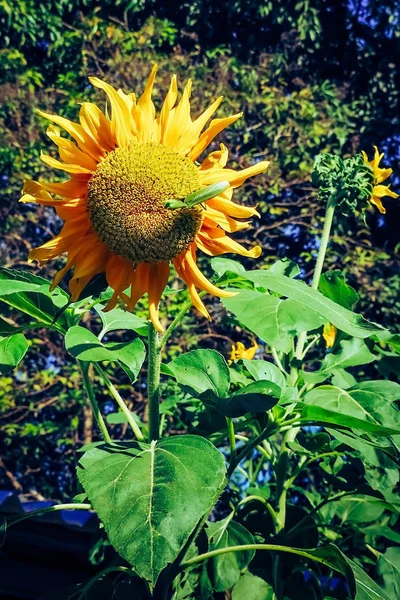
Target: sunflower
{"x":380,"y":175}
{"x":239,"y":351}
{"x":123,"y":171}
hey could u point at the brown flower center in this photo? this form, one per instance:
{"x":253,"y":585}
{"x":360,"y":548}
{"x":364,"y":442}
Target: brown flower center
{"x":126,"y":197}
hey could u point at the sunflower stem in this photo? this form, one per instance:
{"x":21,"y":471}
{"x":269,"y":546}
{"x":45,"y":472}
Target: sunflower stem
{"x":153,"y":382}
{"x":330,"y":211}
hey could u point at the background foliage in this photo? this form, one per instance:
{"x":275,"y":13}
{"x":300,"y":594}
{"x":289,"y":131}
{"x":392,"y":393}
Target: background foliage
{"x":311,"y":77}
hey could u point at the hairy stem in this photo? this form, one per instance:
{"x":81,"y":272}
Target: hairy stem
{"x":330,"y":211}
{"x":153,"y":382}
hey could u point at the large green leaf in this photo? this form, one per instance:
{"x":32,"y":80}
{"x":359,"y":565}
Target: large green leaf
{"x":31,"y":295}
{"x":389,"y":390}
{"x":200,"y":371}
{"x":353,"y":352}
{"x":152,"y":497}
{"x":256,"y":397}
{"x":351,"y":403}
{"x":351,"y":323}
{"x":85,"y":346}
{"x":377,"y":414}
{"x":120,"y":319}
{"x":333,"y":285}
{"x":272,"y":319}
{"x":252,"y":587}
{"x":225,"y":569}
{"x":12,"y":351}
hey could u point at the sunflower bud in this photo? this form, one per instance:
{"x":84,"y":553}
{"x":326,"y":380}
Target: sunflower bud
{"x":348,"y":183}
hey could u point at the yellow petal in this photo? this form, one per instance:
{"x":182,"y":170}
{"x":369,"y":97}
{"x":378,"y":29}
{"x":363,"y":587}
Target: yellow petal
{"x":120,"y":113}
{"x":216,"y":126}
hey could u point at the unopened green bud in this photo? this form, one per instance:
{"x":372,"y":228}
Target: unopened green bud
{"x":347,"y":183}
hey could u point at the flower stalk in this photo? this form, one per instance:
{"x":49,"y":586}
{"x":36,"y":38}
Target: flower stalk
{"x":153,"y":382}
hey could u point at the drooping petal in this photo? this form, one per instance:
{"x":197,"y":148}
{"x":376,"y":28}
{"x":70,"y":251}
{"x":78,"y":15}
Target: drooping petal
{"x":195,"y":276}
{"x":157,"y":280}
{"x":119,"y":273}
{"x":214,"y":242}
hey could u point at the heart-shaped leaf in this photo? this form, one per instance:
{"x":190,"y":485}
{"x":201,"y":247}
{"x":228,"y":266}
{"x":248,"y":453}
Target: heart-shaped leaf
{"x":201,"y":370}
{"x":152,"y":497}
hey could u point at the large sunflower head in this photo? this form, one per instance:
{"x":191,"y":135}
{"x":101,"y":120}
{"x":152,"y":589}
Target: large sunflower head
{"x":380,"y":175}
{"x":124,"y":171}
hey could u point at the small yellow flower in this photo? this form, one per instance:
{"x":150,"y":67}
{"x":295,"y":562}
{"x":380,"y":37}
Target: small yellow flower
{"x":240,"y":351}
{"x":329,"y":334}
{"x":380,"y":175}
{"x":123,"y":169}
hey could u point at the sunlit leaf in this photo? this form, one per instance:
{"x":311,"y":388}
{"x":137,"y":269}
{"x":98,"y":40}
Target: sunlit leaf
{"x":152,"y":497}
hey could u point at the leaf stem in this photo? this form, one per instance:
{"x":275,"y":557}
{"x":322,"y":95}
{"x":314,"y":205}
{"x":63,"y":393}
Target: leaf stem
{"x":47,"y":509}
{"x":119,"y":400}
{"x":232,"y":440}
{"x":84,"y":367}
{"x":153,"y":382}
{"x":249,"y":547}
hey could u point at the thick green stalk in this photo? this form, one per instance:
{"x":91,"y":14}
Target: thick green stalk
{"x":330,"y":211}
{"x":153,"y":382}
{"x":92,"y":399}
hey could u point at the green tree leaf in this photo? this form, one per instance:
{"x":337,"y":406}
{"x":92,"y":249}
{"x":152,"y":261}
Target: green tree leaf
{"x":201,"y":370}
{"x":85,"y":346}
{"x":152,"y":497}
{"x":273,"y":320}
{"x":12,"y":351}
{"x":225,"y":569}
{"x":351,"y":323}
